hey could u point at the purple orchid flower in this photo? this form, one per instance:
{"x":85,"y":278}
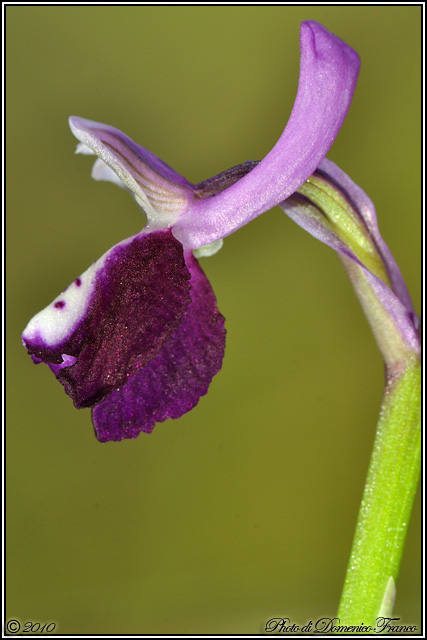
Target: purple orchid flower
{"x":138,"y":337}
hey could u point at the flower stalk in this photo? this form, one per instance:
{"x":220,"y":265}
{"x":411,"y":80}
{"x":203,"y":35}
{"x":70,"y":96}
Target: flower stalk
{"x":337,"y":212}
{"x":387,"y":501}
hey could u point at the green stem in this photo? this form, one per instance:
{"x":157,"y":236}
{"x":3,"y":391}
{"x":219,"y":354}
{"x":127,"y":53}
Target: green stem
{"x":386,"y":505}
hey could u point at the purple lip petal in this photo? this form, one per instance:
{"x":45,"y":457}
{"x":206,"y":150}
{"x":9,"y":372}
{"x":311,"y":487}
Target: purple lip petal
{"x":140,"y":295}
{"x":160,"y":190}
{"x":174,"y":381}
{"x":328,"y":75}
{"x":140,"y":298}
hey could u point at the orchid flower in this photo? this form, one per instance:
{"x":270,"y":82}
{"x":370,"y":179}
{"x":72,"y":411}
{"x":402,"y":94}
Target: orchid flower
{"x":138,"y":337}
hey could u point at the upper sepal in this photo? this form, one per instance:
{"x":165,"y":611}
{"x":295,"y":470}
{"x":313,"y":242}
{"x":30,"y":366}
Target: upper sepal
{"x":328,"y":74}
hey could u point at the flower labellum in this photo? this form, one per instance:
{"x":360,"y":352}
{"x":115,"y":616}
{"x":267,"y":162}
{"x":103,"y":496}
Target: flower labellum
{"x":138,"y":337}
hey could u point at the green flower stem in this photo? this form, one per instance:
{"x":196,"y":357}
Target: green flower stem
{"x":387,"y":502}
{"x":344,"y":218}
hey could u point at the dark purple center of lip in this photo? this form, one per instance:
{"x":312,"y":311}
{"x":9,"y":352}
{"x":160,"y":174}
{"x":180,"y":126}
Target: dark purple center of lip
{"x":140,"y":296}
{"x":173,"y":382}
{"x":60,"y":304}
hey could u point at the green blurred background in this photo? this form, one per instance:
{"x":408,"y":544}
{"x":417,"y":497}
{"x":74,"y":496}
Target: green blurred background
{"x":245,"y":508}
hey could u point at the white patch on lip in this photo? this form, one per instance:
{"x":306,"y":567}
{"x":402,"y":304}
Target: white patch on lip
{"x":59,"y":319}
{"x":54,"y":324}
